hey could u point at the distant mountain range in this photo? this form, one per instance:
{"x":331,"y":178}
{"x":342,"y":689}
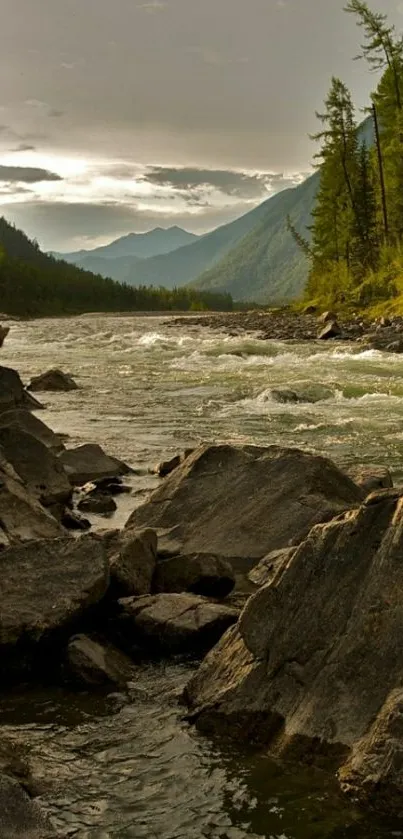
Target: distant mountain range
{"x":254,"y":257}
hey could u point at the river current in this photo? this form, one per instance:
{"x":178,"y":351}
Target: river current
{"x":148,"y":389}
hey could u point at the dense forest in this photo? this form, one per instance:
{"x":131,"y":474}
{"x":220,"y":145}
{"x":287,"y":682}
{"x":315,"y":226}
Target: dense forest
{"x":33,"y":284}
{"x":355,"y":246}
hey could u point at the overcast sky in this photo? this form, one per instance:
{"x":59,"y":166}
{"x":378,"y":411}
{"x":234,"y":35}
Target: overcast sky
{"x":118,"y":115}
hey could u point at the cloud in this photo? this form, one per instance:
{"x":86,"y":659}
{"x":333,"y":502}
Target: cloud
{"x":64,"y":226}
{"x":214,"y":57}
{"x":26,"y":174}
{"x":24,"y":147}
{"x":153,"y":7}
{"x":233,"y":183}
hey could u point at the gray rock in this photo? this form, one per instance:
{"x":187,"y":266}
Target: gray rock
{"x":167,"y":466}
{"x":327,"y":317}
{"x":331,"y":330}
{"x":36,"y":465}
{"x":52,"y":380}
{"x":22,"y":517}
{"x":370,"y":478}
{"x":316,"y":656}
{"x":21,"y":817}
{"x":240,"y":503}
{"x":72,"y":521}
{"x":46,"y":588}
{"x":174,"y":623}
{"x":285,"y":396}
{"x":24,"y":420}
{"x":203,"y":574}
{"x":4,"y":330}
{"x":94,"y":663}
{"x":89,"y":462}
{"x":132,"y":560}
{"x":97,"y":503}
{"x":12,"y":392}
{"x":271,"y":567}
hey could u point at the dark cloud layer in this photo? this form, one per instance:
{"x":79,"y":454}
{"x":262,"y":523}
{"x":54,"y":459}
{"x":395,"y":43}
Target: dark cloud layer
{"x":206,"y":98}
{"x":26,"y":174}
{"x":229,"y":182}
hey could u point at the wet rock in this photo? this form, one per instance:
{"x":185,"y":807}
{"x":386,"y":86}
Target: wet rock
{"x":4,"y":330}
{"x":89,"y":462}
{"x":132,"y":560}
{"x":46,"y":588}
{"x":12,"y":392}
{"x":285,"y":396}
{"x":370,"y":478}
{"x":167,"y":466}
{"x":94,"y":663}
{"x":241,"y":502}
{"x":327,"y":317}
{"x":24,"y":420}
{"x":99,"y":503}
{"x":39,"y":469}
{"x":113,"y":486}
{"x":310,"y":310}
{"x":316,"y":656}
{"x":384,"y":322}
{"x":21,"y":818}
{"x":52,"y":380}
{"x":72,"y":521}
{"x":331,"y":330}
{"x":176,"y":623}
{"x":22,"y":517}
{"x":270,"y":568}
{"x":203,"y":574}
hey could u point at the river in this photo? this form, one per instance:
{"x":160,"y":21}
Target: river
{"x":149,"y":389}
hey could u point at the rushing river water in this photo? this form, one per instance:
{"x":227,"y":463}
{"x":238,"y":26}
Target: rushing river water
{"x":149,"y":389}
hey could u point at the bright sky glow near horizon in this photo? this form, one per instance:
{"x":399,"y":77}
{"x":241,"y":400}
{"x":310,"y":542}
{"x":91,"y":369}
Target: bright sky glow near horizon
{"x":122,"y":116}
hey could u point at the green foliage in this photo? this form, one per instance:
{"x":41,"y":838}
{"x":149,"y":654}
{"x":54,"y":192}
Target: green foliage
{"x":357,"y":231}
{"x":34,"y":284}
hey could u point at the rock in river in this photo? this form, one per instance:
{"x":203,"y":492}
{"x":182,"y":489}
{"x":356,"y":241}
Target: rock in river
{"x":46,"y":588}
{"x":89,"y":462}
{"x":23,"y":419}
{"x":132,"y":560}
{"x":13,"y":393}
{"x":241,"y":502}
{"x":94,"y":663}
{"x":22,"y":517}
{"x":316,"y":660}
{"x":210,"y":576}
{"x":53,"y":380}
{"x":39,"y":469}
{"x":176,"y":623}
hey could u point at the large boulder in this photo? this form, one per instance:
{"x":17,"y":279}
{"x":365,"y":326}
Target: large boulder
{"x":132,"y":561}
{"x":20,"y":817}
{"x":210,"y":576}
{"x":39,"y":469}
{"x":316,"y":659}
{"x":46,"y":588}
{"x":176,"y":623}
{"x":24,"y":420}
{"x":53,"y":380}
{"x":370,"y":478}
{"x":22,"y":517}
{"x":242,"y":502}
{"x":89,"y":462}
{"x":12,"y":392}
{"x":91,"y":662}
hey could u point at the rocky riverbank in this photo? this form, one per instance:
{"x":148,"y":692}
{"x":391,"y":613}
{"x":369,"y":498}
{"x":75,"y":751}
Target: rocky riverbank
{"x":279,"y":566}
{"x":310,"y":325}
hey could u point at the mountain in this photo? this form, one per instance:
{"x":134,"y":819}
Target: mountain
{"x":185,"y":264}
{"x":141,"y":245}
{"x":267,"y":265}
{"x":118,"y":267}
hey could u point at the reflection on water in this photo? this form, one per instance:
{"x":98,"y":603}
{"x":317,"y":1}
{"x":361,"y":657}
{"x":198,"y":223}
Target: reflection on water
{"x":146,"y":391}
{"x":142,"y":772}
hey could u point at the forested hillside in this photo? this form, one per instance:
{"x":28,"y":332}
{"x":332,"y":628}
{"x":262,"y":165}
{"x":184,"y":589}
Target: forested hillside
{"x":267,"y":265}
{"x":355,"y":249}
{"x":33,"y":284}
